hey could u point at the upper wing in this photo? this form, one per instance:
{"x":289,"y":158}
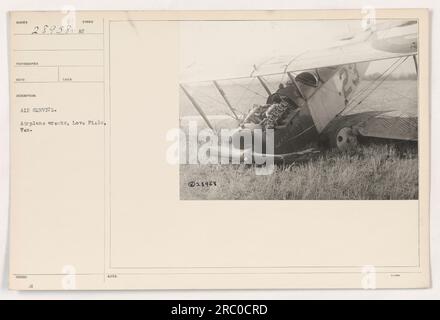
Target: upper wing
{"x":391,"y":40}
{"x":385,"y":41}
{"x":361,"y":52}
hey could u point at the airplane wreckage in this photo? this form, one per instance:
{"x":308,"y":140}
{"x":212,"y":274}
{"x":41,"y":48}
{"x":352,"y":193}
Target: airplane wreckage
{"x":316,"y":102}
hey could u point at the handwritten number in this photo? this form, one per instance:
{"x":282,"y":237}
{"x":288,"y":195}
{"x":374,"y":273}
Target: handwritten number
{"x":52,"y":29}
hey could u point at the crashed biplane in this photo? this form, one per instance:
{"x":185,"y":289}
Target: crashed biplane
{"x":316,"y":102}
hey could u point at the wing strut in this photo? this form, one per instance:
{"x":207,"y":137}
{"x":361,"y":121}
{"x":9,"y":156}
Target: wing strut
{"x":264,"y":85}
{"x":416,"y":64}
{"x":223,"y":94}
{"x":198,"y":108}
{"x":292,"y":78}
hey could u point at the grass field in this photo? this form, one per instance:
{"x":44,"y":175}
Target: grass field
{"x":373,"y":172}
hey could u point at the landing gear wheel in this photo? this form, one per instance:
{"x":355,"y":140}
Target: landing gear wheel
{"x":345,"y":139}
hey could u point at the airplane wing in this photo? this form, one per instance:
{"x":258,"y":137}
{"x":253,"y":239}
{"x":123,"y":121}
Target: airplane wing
{"x":328,"y":79}
{"x":386,"y":41}
{"x":395,"y":128}
{"x":375,"y":124}
{"x":373,"y":47}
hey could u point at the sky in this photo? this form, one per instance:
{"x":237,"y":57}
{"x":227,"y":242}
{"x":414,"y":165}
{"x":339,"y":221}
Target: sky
{"x":222,"y":49}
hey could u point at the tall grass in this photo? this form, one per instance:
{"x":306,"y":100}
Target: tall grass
{"x":378,"y":172}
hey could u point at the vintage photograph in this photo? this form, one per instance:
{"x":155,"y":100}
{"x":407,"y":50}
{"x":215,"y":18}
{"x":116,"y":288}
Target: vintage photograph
{"x":299,"y":110}
{"x":219,"y":151}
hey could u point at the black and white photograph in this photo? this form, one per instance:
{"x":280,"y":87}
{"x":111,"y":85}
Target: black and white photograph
{"x":299,"y":110}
